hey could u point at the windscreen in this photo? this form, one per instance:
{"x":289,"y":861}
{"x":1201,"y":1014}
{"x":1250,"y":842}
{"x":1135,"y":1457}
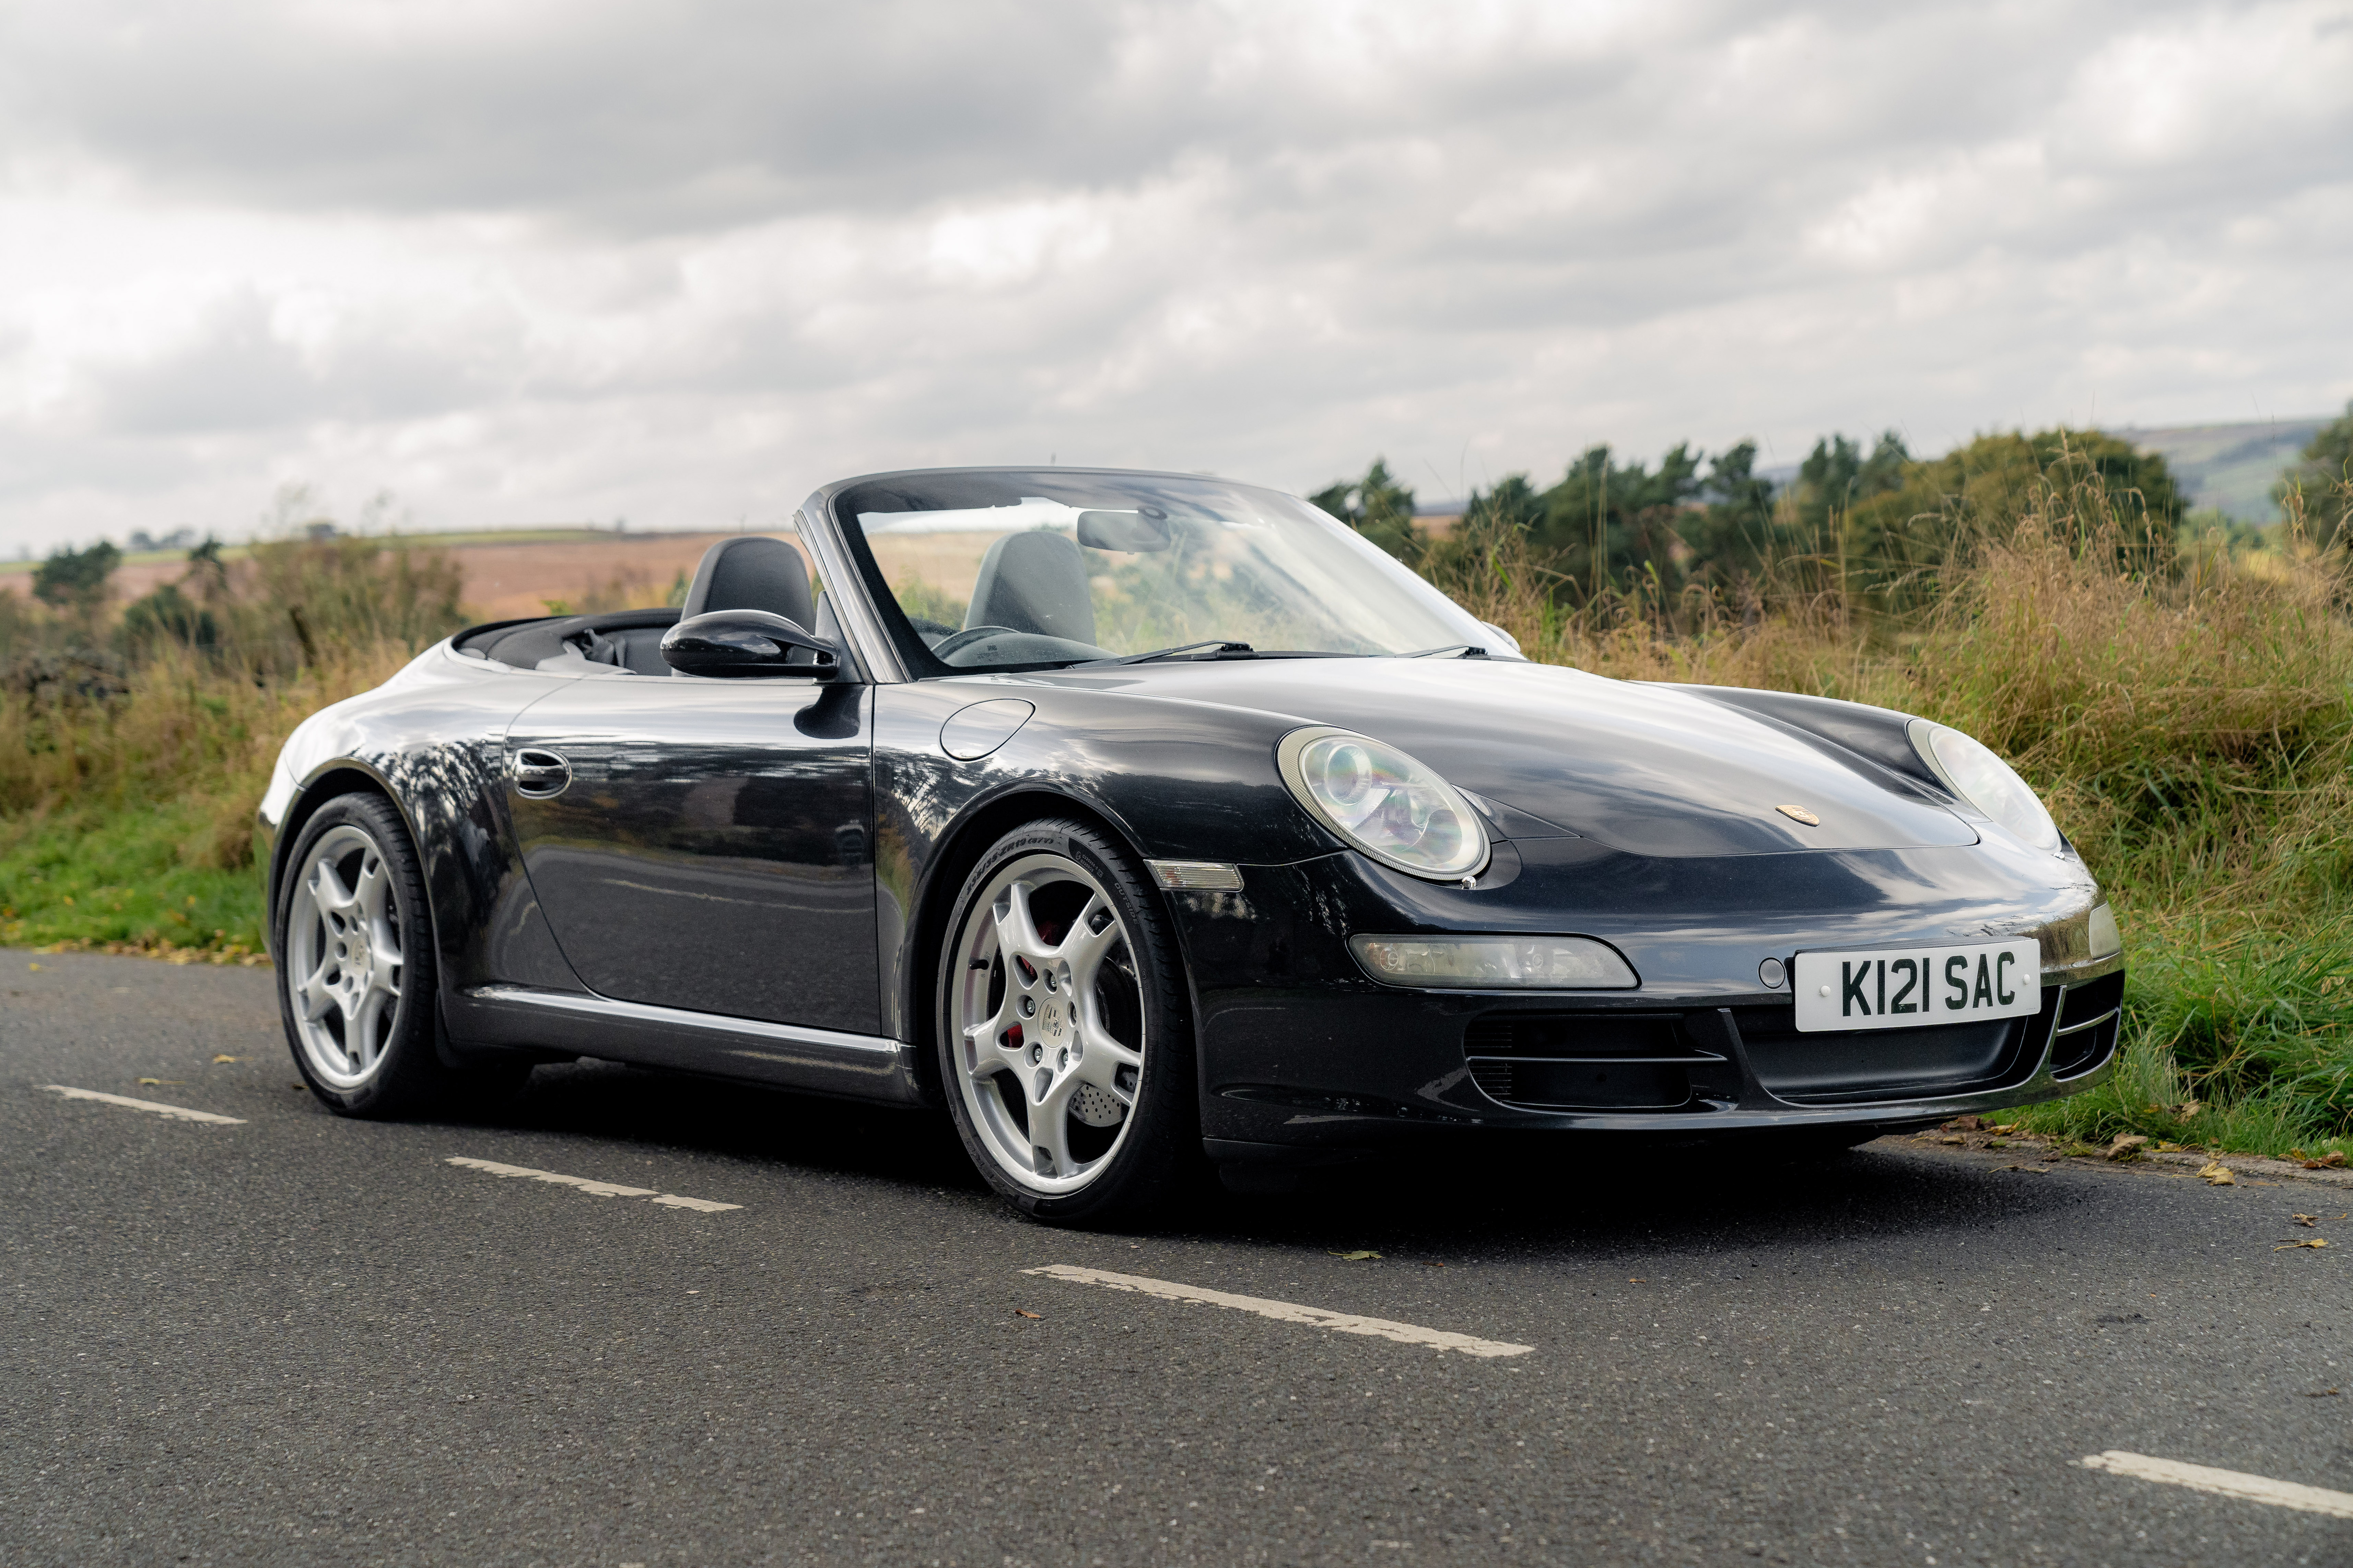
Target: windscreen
{"x":1042,"y":568}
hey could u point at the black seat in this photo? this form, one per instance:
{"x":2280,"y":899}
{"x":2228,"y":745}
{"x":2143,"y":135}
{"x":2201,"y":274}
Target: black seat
{"x":1034,"y":582}
{"x":752,"y":573}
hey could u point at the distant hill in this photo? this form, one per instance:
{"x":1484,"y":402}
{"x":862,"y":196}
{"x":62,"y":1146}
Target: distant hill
{"x":2230,"y":466}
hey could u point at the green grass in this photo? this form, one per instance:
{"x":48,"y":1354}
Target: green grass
{"x":118,"y":880}
{"x":2235,"y":1039}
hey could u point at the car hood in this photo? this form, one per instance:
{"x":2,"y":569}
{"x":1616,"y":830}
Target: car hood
{"x":1649,"y":769}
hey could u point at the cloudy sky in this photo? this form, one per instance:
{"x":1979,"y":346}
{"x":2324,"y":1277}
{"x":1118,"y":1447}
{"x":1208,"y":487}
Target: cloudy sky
{"x":522,"y":261}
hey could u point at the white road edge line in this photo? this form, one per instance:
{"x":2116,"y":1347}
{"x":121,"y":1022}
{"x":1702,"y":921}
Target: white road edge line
{"x":600,"y":1189}
{"x":176,"y":1112}
{"x":1284,"y":1311}
{"x":2223,"y":1483}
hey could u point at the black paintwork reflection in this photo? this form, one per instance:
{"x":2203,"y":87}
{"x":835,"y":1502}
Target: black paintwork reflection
{"x":718,"y":850}
{"x":1652,"y":769}
{"x":1178,"y":780}
{"x":712,"y":851}
{"x":428,"y":736}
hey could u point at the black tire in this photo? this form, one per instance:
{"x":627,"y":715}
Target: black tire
{"x":1158,"y":1151}
{"x":399,"y":1071}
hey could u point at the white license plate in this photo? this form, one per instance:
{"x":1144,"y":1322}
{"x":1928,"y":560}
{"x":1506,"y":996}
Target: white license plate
{"x":1909,"y":987}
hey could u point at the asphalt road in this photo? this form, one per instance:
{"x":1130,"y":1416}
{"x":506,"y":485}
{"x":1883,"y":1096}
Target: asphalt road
{"x":303,"y":1339}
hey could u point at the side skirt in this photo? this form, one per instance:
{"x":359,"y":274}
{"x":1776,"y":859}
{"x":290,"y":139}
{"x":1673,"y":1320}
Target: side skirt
{"x":819,"y":1061}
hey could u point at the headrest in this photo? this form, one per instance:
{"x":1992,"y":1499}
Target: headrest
{"x":753,"y":572}
{"x":1034,"y":582}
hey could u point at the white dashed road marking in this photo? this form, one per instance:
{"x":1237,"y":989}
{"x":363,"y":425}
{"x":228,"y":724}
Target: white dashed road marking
{"x":1285,"y":1311}
{"x":2224,"y":1483}
{"x":601,"y":1189}
{"x":176,"y":1112}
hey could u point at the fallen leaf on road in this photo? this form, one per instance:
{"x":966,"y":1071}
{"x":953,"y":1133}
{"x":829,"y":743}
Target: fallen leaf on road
{"x":2291,"y":1246}
{"x":1355,"y":1257}
{"x":2218,"y":1174}
{"x":2329,"y":1162}
{"x":172,"y":1081}
{"x":218,"y":1060}
{"x":2127,"y":1146}
{"x":1019,"y":1314}
{"x":2306,"y":1219}
{"x":1426,"y":1263}
{"x":2005,"y":1127}
{"x":2030,"y":1169}
{"x":33,"y":966}
{"x":2320,"y":1394}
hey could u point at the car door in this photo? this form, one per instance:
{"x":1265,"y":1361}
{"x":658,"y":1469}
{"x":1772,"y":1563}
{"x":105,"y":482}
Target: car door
{"x":705,"y":844}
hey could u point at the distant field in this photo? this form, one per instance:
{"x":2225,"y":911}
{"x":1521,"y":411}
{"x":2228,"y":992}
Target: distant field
{"x":508,"y":574}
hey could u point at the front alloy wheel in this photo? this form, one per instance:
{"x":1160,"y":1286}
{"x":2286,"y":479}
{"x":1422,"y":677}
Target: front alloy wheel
{"x":1061,"y":1032}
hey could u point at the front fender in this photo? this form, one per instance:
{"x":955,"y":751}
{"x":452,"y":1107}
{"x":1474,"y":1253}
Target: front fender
{"x":1178,"y":780}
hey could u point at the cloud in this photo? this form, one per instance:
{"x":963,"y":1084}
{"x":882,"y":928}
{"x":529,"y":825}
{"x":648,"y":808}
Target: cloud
{"x":522,"y":262}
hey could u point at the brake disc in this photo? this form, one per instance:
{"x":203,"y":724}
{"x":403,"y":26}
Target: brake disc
{"x":1096,"y":1108}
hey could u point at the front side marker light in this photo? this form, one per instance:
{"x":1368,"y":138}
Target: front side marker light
{"x":1181,"y":875}
{"x":1494,"y":962}
{"x":2106,"y":939}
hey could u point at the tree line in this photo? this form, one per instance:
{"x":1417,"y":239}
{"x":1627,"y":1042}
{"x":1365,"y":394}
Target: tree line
{"x":1875,"y":524}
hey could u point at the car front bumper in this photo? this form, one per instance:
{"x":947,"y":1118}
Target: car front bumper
{"x":1299,"y":1049}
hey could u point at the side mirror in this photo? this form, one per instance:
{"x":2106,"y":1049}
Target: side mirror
{"x":740,"y":644}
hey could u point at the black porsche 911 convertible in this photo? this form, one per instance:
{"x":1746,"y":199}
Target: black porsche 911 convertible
{"x":1140,"y":817}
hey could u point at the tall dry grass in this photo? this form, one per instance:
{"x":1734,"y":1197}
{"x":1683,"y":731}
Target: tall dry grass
{"x":135,"y":748}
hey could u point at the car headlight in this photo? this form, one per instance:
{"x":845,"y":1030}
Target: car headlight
{"x":1384,"y":802}
{"x":1971,"y":771}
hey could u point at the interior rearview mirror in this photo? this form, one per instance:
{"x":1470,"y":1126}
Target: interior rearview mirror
{"x":1134,"y":532}
{"x":744,"y":644}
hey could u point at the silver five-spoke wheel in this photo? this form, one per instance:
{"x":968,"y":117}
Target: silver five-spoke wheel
{"x":344,"y":966}
{"x":1048,"y":1023}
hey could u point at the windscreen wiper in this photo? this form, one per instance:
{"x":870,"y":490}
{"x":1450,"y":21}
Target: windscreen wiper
{"x":1458,"y":649}
{"x":1221,"y":645}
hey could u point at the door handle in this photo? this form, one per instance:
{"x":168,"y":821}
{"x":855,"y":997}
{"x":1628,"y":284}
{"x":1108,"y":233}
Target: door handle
{"x":538,"y":774}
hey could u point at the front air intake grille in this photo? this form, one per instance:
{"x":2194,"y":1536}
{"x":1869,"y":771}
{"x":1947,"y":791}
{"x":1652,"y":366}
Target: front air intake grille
{"x":1831,"y":1067}
{"x":2092,"y":1001}
{"x":1586,"y":1035}
{"x":2088,"y":1023}
{"x":1583,"y":1061}
{"x":2079,"y":1051}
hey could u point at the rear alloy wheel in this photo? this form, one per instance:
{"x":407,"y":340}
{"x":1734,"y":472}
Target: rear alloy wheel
{"x":1065,"y":1048}
{"x":345,"y":964}
{"x":357,"y":976}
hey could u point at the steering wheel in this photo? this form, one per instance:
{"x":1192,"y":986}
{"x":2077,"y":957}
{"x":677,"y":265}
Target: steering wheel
{"x":965,"y":639}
